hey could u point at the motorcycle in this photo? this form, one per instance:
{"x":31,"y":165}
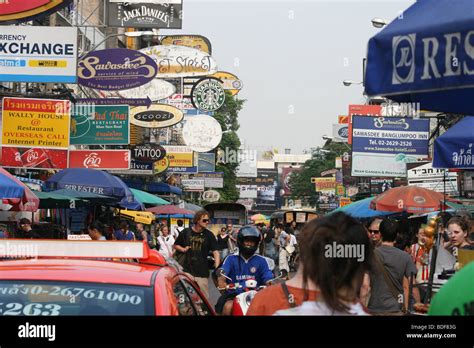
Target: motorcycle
{"x":241,"y":302}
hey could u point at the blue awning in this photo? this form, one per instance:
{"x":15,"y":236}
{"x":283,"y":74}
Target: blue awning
{"x":455,"y":148}
{"x":155,"y":187}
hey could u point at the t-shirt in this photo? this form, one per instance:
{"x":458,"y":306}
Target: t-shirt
{"x":166,"y":245}
{"x":201,"y":244}
{"x":269,"y":235}
{"x":320,"y":308}
{"x":177,"y":231}
{"x":222,"y":242}
{"x":283,"y":236}
{"x":398,"y":265}
{"x":119,"y":235}
{"x":273,"y":298}
{"x":456,"y":297}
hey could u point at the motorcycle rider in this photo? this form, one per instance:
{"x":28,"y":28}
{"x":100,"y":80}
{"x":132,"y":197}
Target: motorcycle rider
{"x":241,"y":267}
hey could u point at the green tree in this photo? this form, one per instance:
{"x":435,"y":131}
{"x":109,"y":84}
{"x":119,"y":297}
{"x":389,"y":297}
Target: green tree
{"x":322,"y":158}
{"x":227,"y":116}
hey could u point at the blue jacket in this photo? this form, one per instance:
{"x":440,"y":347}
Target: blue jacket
{"x":240,"y":270}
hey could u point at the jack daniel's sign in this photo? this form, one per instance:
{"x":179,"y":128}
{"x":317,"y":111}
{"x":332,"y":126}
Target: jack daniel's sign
{"x":143,"y":14}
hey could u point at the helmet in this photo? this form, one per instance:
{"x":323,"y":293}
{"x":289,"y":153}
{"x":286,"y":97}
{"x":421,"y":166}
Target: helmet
{"x":250,"y":232}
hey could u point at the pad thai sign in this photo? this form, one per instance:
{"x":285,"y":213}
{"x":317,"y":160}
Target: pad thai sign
{"x":145,"y":14}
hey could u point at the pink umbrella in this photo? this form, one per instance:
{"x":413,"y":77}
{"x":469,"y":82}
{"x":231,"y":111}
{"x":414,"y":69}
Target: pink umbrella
{"x":169,"y":210}
{"x":29,"y":201}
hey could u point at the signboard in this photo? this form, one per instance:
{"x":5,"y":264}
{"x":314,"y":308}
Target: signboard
{"x":343,"y":201}
{"x":156,"y":116}
{"x":367,"y":110}
{"x":340,"y":133}
{"x":193,"y":184}
{"x":38,"y":54}
{"x":202,"y":133}
{"x":179,"y":156}
{"x":377,"y":186}
{"x":211,"y":196}
{"x":161,"y":165}
{"x":212,"y":180}
{"x":325,"y":185}
{"x":16,"y":11}
{"x":100,"y":125}
{"x":422,"y":174}
{"x":180,"y":61}
{"x":343,"y":119}
{"x":208,"y":95}
{"x":99,"y":159}
{"x":229,"y":82}
{"x":144,"y":14}
{"x":148,"y":152}
{"x":37,"y":158}
{"x":193,"y":41}
{"x":36,"y":122}
{"x":206,"y":162}
{"x":247,"y":162}
{"x":78,"y":237}
{"x":247,"y":191}
{"x":156,"y":89}
{"x":285,"y":179}
{"x":115,"y":69}
{"x":382,"y":146}
{"x":137,"y":168}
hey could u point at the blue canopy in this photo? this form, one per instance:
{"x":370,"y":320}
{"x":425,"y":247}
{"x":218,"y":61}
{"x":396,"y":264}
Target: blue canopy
{"x":361,"y":209}
{"x":454,"y":149}
{"x":9,"y":188}
{"x":94,"y":181}
{"x":425,"y":56}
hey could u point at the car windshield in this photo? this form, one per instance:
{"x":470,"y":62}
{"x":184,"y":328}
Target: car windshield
{"x":51,"y":298}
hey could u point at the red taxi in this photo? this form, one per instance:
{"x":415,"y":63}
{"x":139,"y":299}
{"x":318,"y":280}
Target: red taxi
{"x":61,"y":277}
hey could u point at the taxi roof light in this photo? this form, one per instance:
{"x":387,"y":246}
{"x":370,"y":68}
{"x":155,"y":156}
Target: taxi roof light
{"x":73,"y":248}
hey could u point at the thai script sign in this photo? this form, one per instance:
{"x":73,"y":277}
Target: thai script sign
{"x":99,"y":159}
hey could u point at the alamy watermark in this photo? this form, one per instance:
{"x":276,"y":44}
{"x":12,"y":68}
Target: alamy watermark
{"x":345,"y":251}
{"x":14,"y":250}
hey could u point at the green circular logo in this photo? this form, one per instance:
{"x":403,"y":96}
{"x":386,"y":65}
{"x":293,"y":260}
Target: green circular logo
{"x":208,"y":95}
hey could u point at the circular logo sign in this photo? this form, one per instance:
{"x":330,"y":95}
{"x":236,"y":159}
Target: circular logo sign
{"x":156,"y":116}
{"x":343,"y":132}
{"x":161,"y":165}
{"x":202,"y":133}
{"x":419,"y":199}
{"x":211,"y":196}
{"x":148,"y":152}
{"x":208,"y":95}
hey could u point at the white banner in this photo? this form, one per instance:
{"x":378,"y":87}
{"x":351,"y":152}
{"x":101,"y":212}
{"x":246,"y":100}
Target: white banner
{"x":247,"y":191}
{"x":377,"y":164}
{"x":193,"y":184}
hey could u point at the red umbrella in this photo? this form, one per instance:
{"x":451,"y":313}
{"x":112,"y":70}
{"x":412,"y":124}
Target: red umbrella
{"x":29,"y":201}
{"x":169,"y":210}
{"x":411,"y":199}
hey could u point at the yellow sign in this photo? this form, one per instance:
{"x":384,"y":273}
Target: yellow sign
{"x":343,"y":201}
{"x":143,"y":217}
{"x":325,"y":185}
{"x":340,"y":190}
{"x":161,"y":165}
{"x":194,"y":41}
{"x":180,"y":159}
{"x":36,"y":122}
{"x":230,"y":82}
{"x":48,"y":63}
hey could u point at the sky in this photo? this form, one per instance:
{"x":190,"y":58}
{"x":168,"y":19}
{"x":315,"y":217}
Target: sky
{"x":292,"y":57}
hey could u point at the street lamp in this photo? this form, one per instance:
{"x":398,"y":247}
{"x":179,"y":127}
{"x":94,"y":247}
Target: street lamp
{"x":348,"y":83}
{"x":379,"y":22}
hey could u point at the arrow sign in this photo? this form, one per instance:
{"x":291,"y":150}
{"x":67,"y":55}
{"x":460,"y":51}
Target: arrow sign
{"x":117,"y":101}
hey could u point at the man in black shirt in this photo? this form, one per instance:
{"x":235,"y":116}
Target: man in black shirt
{"x":26,"y":231}
{"x":197,"y":241}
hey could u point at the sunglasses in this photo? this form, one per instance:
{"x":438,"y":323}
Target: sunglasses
{"x":205,"y":220}
{"x":374,"y":231}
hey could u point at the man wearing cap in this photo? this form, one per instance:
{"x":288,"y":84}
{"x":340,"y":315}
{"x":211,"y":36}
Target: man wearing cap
{"x":26,"y":231}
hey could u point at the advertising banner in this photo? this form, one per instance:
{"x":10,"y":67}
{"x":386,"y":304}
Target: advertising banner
{"x":16,"y":11}
{"x":156,"y":90}
{"x":377,"y":186}
{"x":104,"y":125}
{"x":155,"y":116}
{"x":193,"y":184}
{"x":285,"y":178}
{"x":382,"y":146}
{"x":212,"y":180}
{"x":38,"y":54}
{"x":247,"y":191}
{"x":247,"y":162}
{"x":343,"y":119}
{"x":37,"y":158}
{"x":326,"y":185}
{"x":194,"y":41}
{"x":340,"y":133}
{"x":115,"y":69}
{"x":366,"y":110}
{"x":343,"y":201}
{"x":202,"y":133}
{"x":99,"y":159}
{"x":422,"y":174}
{"x":179,"y":156}
{"x":144,"y":14}
{"x":36,"y":122}
{"x":230,"y":82}
{"x":206,"y":162}
{"x":136,"y":168}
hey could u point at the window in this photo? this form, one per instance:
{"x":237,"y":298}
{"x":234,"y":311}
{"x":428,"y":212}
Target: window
{"x":185,"y":307}
{"x":197,"y":300}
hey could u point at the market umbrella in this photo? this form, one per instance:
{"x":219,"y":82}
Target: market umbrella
{"x":260,"y":219}
{"x":454,"y":148}
{"x":147,"y":198}
{"x":23,"y":200}
{"x":361,"y":209}
{"x":193,"y":207}
{"x":93,"y":181}
{"x":425,"y":56}
{"x":170,"y":210}
{"x":53,"y":200}
{"x":411,"y":199}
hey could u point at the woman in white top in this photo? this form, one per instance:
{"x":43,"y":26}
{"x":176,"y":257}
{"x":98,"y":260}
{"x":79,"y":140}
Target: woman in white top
{"x":335,"y":252}
{"x":166,"y":242}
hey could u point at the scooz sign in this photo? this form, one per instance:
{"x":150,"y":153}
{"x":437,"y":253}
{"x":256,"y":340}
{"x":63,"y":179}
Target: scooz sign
{"x":115,"y":69}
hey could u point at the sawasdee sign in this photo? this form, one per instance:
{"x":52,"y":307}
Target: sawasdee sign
{"x":115,"y":69}
{"x":381,"y":146}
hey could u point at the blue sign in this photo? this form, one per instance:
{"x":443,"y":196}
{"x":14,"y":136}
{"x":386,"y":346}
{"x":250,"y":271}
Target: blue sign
{"x":206,"y":162}
{"x":390,"y":135}
{"x":182,"y":170}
